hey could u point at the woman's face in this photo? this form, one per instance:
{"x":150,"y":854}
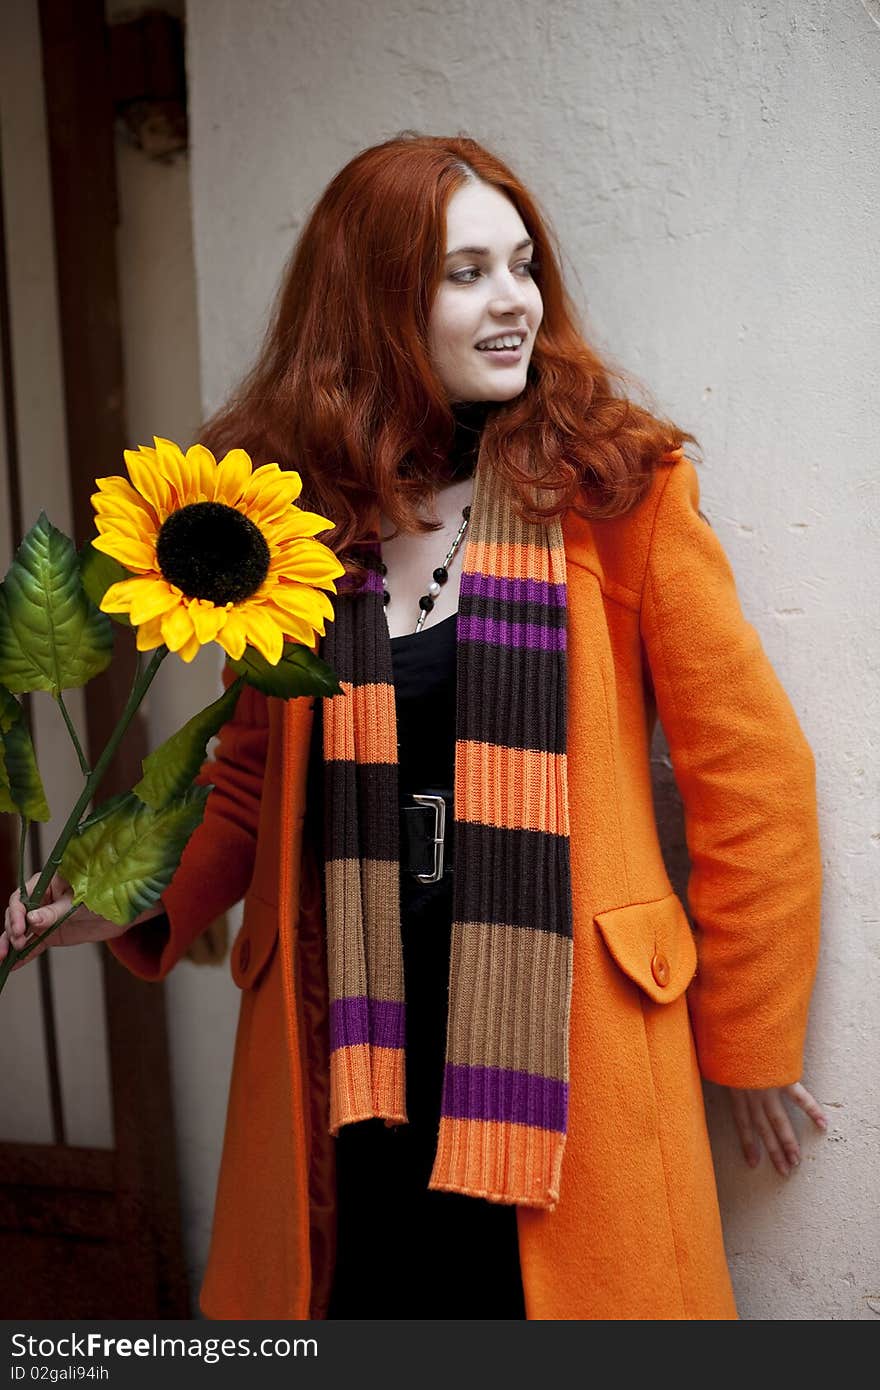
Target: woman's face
{"x":486,"y":291}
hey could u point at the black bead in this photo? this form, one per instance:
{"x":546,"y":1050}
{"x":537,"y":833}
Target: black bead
{"x":441,"y":574}
{"x":466,"y":513}
{"x":383,"y":568}
{"x":426,"y":602}
{"x":386,"y":597}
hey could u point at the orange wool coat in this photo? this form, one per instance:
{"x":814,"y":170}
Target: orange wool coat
{"x":655,"y":628}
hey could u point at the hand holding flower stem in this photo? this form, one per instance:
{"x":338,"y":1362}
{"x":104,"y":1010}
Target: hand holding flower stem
{"x":140,"y":686}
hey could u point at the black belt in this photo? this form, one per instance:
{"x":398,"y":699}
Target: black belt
{"x":426,"y":826}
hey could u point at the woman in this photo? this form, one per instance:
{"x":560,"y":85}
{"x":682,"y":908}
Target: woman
{"x":467,"y":1076}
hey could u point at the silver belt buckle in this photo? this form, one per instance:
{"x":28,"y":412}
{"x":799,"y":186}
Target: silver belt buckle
{"x":439,"y":805}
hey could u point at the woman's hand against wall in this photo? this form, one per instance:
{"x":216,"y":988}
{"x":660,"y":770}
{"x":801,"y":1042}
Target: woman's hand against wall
{"x":82,"y":925}
{"x":761,"y":1115}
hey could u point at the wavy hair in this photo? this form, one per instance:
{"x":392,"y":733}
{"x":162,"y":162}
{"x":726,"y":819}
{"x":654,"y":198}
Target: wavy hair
{"x":343,"y":389}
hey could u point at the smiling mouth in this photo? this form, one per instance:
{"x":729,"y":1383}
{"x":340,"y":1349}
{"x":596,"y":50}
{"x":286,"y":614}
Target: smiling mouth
{"x":502,"y":354}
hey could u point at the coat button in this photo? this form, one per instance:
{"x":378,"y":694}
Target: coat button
{"x":660,"y":969}
{"x":244,"y":954}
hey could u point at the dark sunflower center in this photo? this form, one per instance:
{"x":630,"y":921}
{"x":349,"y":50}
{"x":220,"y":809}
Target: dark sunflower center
{"x":214,"y":552}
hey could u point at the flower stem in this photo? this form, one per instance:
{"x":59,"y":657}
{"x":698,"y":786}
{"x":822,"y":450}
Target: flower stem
{"x":22,"y":841}
{"x":83,"y":761}
{"x":140,"y":686}
{"x":139,"y":689}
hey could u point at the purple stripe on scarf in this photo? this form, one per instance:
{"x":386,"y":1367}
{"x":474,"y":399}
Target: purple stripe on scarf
{"x":346,"y":584}
{"x":494,"y":1093}
{"x":475,"y":584}
{"x":496,"y":633}
{"x":359,"y":1019}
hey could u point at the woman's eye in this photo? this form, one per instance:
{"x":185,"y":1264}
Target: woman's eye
{"x":529,"y":266}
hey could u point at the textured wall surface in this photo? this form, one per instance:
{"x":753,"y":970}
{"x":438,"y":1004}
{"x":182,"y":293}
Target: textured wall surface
{"x":711,"y":172}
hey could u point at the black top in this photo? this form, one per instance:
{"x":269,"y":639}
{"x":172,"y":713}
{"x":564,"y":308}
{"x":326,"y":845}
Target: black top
{"x":424,"y":691}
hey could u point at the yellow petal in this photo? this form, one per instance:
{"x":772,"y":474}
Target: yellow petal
{"x":295,"y":629}
{"x":232,"y":636}
{"x":172,"y":467}
{"x":270,"y":494}
{"x":124,"y":526}
{"x":190,"y":649}
{"x":149,"y":635}
{"x":298,"y":523}
{"x":269,"y":472}
{"x":119,"y":597}
{"x":303,"y":602}
{"x":135,"y":555}
{"x":177,"y":627}
{"x":308,"y":562}
{"x":263,"y":633}
{"x":233,"y":476}
{"x":149,"y":482}
{"x":203,"y":467}
{"x":110,"y":504}
{"x":153,"y":598}
{"x":119,"y":487}
{"x":292,"y":598}
{"x":207,"y":619}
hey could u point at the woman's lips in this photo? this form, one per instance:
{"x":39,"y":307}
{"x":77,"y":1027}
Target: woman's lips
{"x":502,"y":356}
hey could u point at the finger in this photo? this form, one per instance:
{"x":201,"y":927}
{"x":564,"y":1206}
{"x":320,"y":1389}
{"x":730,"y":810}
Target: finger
{"x":810,"y":1106}
{"x":778,"y":1117}
{"x":19,"y":930}
{"x":762,"y":1124}
{"x":15,"y":916}
{"x":10,"y":909}
{"x":42,"y":918}
{"x":25,"y":928}
{"x":743,"y":1122}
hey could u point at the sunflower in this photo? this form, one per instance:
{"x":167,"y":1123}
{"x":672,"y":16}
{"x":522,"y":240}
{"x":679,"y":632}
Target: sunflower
{"x":218,"y":552}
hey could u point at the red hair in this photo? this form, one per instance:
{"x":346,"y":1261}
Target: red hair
{"x":343,"y":389}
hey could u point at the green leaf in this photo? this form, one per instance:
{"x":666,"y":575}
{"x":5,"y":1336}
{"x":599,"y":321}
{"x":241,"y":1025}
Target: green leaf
{"x":123,"y":862}
{"x":21,"y":787}
{"x":299,"y":672}
{"x":10,"y":709}
{"x":104,"y":810}
{"x":52,"y":637}
{"x":171,"y":768}
{"x":25,"y":783}
{"x":98,"y":571}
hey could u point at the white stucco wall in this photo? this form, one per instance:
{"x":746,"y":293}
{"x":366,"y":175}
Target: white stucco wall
{"x":712,"y":173}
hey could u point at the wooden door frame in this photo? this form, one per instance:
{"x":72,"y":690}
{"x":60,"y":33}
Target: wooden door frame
{"x":96,"y":1232}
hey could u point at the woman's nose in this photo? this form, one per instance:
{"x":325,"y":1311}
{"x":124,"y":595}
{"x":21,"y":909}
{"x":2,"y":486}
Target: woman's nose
{"x":510,"y":298}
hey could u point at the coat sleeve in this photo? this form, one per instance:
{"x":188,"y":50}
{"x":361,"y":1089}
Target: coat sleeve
{"x":746,"y":775}
{"x":216,"y":867}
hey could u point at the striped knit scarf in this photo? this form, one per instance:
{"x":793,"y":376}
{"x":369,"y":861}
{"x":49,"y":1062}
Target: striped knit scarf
{"x":504,"y":1109}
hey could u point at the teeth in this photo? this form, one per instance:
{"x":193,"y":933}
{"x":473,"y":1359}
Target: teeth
{"x":509,"y":341}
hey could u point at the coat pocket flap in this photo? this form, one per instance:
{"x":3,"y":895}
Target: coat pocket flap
{"x":653,"y":943}
{"x":255,"y":941}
